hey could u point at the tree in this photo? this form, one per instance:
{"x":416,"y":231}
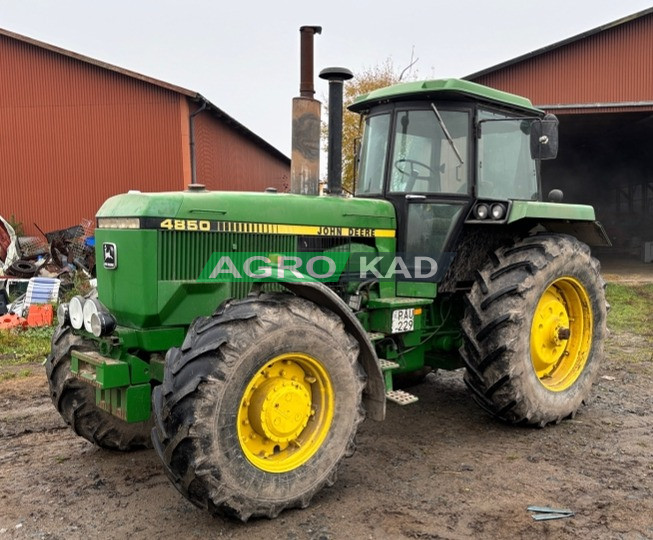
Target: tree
{"x":363,"y":82}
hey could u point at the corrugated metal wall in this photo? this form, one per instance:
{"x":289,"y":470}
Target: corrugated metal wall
{"x":73,"y":134}
{"x":227,"y":160}
{"x":612,"y":66}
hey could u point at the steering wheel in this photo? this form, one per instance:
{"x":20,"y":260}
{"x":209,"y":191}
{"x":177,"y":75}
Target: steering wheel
{"x":414,"y":174}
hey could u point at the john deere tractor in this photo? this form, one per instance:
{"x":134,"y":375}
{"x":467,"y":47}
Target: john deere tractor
{"x":251,"y":392}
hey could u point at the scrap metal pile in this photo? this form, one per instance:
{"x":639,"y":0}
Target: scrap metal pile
{"x":35,"y":271}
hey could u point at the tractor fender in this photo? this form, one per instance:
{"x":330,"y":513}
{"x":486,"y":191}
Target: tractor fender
{"x":320,"y":294}
{"x":591,"y":233}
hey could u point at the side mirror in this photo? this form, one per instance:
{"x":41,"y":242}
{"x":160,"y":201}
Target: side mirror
{"x":544,"y":137}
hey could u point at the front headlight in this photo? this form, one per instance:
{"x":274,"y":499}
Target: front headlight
{"x":102,"y":323}
{"x":76,"y":312}
{"x":91,"y":307}
{"x":118,"y":223}
{"x":63,"y":314}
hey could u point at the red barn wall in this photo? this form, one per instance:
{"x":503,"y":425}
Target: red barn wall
{"x":75,"y":131}
{"x":227,"y":160}
{"x":73,"y":134}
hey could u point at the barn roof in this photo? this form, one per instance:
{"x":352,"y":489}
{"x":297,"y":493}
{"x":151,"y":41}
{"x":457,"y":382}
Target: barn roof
{"x":559,"y":44}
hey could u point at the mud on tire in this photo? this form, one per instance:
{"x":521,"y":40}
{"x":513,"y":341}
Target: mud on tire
{"x":75,"y":401}
{"x":197,"y":406}
{"x":498,"y":322}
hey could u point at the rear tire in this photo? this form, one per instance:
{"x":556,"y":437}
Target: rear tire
{"x":259,"y":406}
{"x":75,"y":401}
{"x":534,"y":329}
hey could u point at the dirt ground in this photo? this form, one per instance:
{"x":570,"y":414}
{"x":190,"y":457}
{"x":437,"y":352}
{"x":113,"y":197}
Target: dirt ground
{"x":439,"y":468}
{"x":626,"y":269}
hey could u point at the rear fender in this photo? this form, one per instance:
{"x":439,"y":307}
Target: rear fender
{"x":591,"y":233}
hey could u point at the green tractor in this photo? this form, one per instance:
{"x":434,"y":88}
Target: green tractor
{"x":252,"y":393}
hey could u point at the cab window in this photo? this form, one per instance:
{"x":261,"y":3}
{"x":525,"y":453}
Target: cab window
{"x":425,"y":158}
{"x":505,"y":167}
{"x":371,"y":171}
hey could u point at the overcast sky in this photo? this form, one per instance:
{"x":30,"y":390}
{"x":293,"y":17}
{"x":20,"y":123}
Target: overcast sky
{"x":244,"y":56}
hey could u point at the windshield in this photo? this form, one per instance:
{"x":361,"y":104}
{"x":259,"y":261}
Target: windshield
{"x":505,"y":167}
{"x":430,"y":152}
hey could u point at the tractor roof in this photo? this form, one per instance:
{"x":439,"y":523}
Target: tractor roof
{"x":454,"y":89}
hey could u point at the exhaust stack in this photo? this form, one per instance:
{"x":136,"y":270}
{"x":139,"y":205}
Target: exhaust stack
{"x":305,"y":159}
{"x":336,"y":77}
{"x":306,"y":86}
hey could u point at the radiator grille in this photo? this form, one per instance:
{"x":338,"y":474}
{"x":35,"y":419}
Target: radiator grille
{"x":183,"y":254}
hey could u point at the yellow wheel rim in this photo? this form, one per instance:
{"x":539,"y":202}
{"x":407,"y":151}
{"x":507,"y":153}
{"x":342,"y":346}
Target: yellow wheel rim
{"x":561,"y":334}
{"x":285,"y":413}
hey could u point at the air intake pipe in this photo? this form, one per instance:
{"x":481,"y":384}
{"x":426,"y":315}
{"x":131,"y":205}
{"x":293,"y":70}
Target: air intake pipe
{"x":336,"y":77}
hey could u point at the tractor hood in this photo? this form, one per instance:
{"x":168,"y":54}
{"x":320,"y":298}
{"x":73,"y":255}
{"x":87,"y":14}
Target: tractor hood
{"x":246,"y":207}
{"x":156,"y":246}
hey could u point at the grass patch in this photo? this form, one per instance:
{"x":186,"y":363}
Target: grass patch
{"x":24,"y":346}
{"x":631,"y":308}
{"x":8,"y":375}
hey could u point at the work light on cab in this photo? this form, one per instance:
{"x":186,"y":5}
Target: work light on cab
{"x":481,"y":211}
{"x":498,"y":211}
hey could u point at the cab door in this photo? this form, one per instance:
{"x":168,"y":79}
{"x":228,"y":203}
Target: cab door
{"x":429,"y":182}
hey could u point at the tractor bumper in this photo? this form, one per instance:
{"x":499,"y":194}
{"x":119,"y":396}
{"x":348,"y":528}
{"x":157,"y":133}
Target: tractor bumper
{"x":119,"y":389}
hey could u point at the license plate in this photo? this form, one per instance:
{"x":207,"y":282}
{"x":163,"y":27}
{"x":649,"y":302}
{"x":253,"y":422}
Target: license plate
{"x":403,"y":320}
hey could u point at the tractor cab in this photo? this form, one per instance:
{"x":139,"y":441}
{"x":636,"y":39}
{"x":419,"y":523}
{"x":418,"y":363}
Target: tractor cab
{"x":447,"y":152}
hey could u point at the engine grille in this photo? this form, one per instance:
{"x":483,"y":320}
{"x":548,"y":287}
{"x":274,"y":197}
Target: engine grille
{"x":183,"y":254}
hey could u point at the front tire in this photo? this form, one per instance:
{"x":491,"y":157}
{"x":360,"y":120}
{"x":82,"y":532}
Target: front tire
{"x":534,"y":329}
{"x":259,"y":406}
{"x":75,"y":401}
